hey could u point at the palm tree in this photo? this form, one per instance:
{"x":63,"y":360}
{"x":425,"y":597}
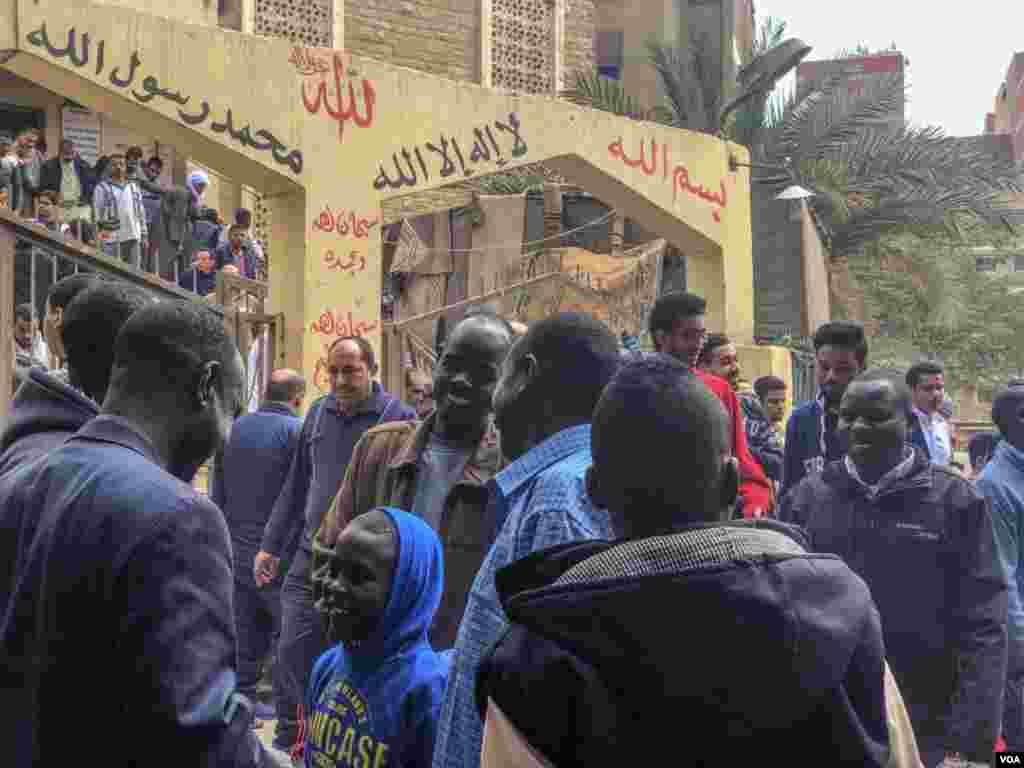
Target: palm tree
{"x":871,"y":178}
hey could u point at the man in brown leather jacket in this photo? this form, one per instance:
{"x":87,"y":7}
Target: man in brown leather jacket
{"x":438,"y":469}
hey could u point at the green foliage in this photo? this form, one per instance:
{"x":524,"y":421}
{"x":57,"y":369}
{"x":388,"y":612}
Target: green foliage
{"x":931,"y":302}
{"x":596,"y":92}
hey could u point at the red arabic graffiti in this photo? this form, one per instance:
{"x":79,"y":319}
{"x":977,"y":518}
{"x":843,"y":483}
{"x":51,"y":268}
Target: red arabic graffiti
{"x":306,"y":62}
{"x":680,"y":174}
{"x":356,"y":262}
{"x":340,"y":111}
{"x":343,"y":224}
{"x":320,"y":380}
{"x":332,"y":323}
{"x":681,"y":183}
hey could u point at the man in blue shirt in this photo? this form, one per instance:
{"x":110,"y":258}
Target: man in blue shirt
{"x":333,"y":426}
{"x":116,"y":602}
{"x":246,"y":482}
{"x":550,"y":383}
{"x":1002,"y":483}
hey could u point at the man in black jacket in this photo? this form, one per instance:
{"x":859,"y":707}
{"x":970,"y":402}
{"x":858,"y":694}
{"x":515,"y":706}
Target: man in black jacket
{"x":690,"y":636}
{"x":70,"y":177}
{"x":115,"y":613}
{"x":922,"y":538}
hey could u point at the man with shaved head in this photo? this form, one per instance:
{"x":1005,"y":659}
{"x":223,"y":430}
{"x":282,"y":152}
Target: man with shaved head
{"x":922,"y":538}
{"x":246,"y":483}
{"x":1002,"y":483}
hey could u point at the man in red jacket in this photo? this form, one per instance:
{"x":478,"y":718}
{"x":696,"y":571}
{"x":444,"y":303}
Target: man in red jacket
{"x":677,"y":327}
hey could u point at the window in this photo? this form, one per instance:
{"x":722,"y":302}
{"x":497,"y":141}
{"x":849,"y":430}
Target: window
{"x":608,"y":52}
{"x":985,"y":263}
{"x":1018,"y":262}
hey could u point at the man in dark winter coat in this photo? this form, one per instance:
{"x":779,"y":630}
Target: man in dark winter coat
{"x":922,"y":538}
{"x":781,"y":657}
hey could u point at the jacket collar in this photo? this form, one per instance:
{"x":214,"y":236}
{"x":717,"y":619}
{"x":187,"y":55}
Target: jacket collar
{"x":275,"y":407}
{"x":118,"y":431}
{"x":917,"y":475}
{"x":888,"y":480}
{"x":479,"y":469}
{"x":552,"y":450}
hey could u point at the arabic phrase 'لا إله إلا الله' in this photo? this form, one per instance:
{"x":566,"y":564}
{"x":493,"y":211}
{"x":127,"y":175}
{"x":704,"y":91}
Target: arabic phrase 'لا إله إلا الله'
{"x":448,"y":151}
{"x":261,"y":140}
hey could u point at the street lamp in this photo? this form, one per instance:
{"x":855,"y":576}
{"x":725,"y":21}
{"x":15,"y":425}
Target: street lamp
{"x":760,"y":76}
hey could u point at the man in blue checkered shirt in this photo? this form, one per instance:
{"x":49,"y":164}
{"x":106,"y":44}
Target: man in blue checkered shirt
{"x":550,"y":384}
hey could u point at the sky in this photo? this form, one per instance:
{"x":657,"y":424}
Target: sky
{"x":958,"y":57}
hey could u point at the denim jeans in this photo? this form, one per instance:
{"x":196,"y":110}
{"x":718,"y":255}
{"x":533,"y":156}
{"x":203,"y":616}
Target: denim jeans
{"x":303,"y":640}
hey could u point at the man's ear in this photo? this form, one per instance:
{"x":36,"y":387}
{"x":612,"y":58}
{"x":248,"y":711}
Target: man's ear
{"x":528,"y":366}
{"x":58,"y":320}
{"x":729,"y":487}
{"x":594,"y":490}
{"x":208,"y":382}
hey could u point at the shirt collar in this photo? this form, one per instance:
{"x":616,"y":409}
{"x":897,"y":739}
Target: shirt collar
{"x":557,"y":447}
{"x":484,"y":455}
{"x":118,"y":431}
{"x":898,"y":472}
{"x":928,"y":419}
{"x":375,"y":403}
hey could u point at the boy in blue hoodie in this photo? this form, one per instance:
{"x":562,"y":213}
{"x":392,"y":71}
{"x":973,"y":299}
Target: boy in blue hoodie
{"x":374,"y":698}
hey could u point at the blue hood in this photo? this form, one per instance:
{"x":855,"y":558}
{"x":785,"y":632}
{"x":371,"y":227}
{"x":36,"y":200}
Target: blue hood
{"x":44,"y":413}
{"x":416,"y":588}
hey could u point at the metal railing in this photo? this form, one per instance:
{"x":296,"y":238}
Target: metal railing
{"x":33,"y":258}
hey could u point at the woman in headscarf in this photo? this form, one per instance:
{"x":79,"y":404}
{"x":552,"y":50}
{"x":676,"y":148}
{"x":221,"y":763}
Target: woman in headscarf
{"x":197,"y":183}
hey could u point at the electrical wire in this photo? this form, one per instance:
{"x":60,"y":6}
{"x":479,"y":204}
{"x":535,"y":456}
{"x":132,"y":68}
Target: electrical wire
{"x":516,"y":245}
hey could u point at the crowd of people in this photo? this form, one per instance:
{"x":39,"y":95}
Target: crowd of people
{"x":563,"y":552}
{"x":120,"y":206}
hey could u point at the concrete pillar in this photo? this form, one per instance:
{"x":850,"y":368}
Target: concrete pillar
{"x":288,"y":281}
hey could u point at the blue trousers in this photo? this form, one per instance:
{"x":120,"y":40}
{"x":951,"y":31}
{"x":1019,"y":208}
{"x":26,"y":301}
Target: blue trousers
{"x":303,"y":640}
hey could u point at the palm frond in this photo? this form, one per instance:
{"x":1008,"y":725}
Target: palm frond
{"x":677,"y":81}
{"x":596,"y":92}
{"x":867,"y":113}
{"x":771,"y":32}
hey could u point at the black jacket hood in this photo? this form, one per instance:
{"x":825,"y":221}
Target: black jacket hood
{"x":43,"y":414}
{"x":733,"y":631}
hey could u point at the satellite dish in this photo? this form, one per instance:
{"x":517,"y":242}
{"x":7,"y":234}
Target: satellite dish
{"x":794,"y":192}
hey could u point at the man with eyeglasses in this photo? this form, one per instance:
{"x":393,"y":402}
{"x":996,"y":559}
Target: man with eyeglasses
{"x":678,"y":329}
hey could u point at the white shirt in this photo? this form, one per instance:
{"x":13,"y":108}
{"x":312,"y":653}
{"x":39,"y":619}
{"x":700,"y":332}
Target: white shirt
{"x":130,"y":229}
{"x":936,"y":434}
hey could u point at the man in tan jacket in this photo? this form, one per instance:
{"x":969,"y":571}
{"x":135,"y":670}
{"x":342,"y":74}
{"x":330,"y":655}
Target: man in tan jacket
{"x":437,"y":469}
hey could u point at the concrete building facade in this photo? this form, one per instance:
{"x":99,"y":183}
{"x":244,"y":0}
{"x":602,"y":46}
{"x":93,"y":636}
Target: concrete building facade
{"x":330,"y":139}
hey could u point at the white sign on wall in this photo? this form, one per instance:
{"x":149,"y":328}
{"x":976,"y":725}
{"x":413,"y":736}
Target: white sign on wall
{"x":82,"y":127}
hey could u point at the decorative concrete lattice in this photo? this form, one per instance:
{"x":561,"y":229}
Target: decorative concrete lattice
{"x":261,"y":227}
{"x":523,"y":45}
{"x":304,"y":22}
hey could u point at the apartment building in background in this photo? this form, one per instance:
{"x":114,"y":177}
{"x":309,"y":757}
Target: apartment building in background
{"x":863,"y":77}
